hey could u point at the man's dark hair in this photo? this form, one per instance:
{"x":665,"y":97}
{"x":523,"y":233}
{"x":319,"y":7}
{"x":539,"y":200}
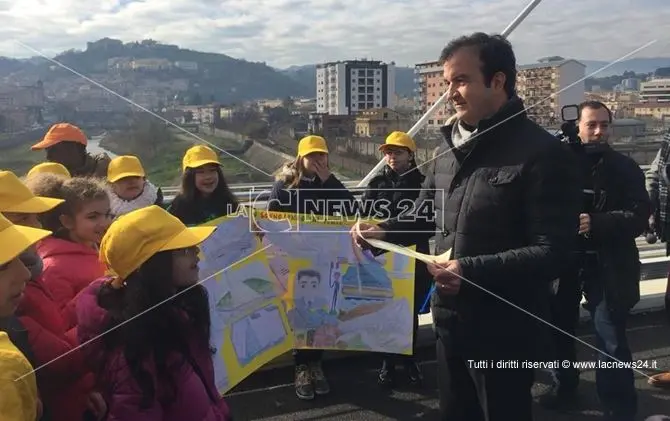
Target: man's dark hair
{"x":596,"y":105}
{"x":495,"y":53}
{"x":309,"y":273}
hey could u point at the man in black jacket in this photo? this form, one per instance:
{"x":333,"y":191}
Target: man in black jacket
{"x":606,"y":265}
{"x":507,"y":198}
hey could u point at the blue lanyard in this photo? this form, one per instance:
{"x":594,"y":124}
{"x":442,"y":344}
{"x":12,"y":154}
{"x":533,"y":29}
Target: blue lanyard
{"x":426,"y":302}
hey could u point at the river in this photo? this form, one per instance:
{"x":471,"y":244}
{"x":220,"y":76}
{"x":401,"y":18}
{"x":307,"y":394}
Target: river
{"x":95,"y":148}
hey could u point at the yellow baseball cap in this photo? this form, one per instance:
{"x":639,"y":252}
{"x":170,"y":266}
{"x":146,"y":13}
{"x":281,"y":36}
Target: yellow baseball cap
{"x":49,"y":168}
{"x":198,"y":156}
{"x":136,"y":236}
{"x":399,"y":139}
{"x":310,"y":144}
{"x":124,"y":166}
{"x":16,"y":239}
{"x":17,"y":197}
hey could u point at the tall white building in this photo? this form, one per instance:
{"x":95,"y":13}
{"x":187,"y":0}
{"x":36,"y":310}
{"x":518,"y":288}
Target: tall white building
{"x":548,"y":86}
{"x":655,"y":90}
{"x":346,"y":87}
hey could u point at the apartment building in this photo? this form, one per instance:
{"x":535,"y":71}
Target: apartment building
{"x":20,"y":106}
{"x":545,"y":87}
{"x":655,"y":90}
{"x":657,"y":110}
{"x":548,"y":86}
{"x":430,"y":80}
{"x":153,"y":64}
{"x":347,"y":87}
{"x":622,"y":104}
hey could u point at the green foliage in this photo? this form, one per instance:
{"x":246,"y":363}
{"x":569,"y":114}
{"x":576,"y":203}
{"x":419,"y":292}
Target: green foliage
{"x":19,"y":159}
{"x":161,"y":149}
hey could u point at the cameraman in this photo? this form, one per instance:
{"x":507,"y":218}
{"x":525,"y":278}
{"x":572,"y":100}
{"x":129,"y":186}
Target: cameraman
{"x":605,"y":266}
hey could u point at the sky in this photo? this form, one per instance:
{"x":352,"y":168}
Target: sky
{"x":296,"y":32}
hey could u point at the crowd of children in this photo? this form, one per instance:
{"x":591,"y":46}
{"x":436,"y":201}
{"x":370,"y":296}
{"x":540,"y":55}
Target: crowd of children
{"x":75,"y":276}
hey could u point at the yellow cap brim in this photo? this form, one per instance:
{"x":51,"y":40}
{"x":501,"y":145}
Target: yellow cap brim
{"x":16,"y":239}
{"x":203,"y":162}
{"x":124,"y":175}
{"x":190,"y":237}
{"x":34,"y":205}
{"x":309,"y":151}
{"x":397,"y":145}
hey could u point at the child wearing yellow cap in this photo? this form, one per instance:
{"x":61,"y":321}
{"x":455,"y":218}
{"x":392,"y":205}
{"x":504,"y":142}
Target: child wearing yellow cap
{"x":130,"y":189}
{"x":154,"y":314}
{"x":395,"y":186}
{"x":66,"y":386}
{"x":306,"y":185}
{"x":49,"y":168}
{"x":204,"y":192}
{"x":19,"y":399}
{"x":70,"y":255}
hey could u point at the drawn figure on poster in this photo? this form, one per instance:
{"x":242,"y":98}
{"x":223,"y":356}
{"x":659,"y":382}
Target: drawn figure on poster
{"x":311,"y":310}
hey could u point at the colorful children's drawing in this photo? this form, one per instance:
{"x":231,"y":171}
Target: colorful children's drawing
{"x":310,"y":289}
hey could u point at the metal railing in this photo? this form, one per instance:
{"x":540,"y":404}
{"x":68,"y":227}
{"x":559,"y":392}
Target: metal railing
{"x":258,"y":192}
{"x":652,"y":256}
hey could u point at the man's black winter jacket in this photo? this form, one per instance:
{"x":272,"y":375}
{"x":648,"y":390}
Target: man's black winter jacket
{"x":508,"y":205}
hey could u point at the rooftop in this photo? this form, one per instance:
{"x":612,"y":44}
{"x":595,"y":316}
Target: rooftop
{"x":358,"y":62}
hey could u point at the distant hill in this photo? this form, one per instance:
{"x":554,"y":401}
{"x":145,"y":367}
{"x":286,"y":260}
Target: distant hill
{"x":637,"y":65}
{"x":306,"y":75}
{"x":218,"y":77}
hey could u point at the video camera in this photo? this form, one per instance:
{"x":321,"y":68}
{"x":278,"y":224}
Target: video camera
{"x":569,"y":133}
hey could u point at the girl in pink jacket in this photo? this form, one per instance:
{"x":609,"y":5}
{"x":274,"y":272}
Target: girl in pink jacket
{"x":155,"y":359}
{"x":70,"y":255}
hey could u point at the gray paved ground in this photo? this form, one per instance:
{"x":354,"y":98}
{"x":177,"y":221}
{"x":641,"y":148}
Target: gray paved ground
{"x":269,"y":396}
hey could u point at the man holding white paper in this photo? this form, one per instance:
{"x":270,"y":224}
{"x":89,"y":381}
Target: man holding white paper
{"x":506,"y":198}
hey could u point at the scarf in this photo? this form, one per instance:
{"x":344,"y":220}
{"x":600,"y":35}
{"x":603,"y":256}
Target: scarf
{"x":120,"y":206}
{"x":461,"y":134}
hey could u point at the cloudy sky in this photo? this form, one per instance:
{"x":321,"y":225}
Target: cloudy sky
{"x":295,"y":32}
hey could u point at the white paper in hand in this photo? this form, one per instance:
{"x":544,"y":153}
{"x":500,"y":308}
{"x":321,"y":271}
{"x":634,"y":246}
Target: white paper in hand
{"x":384,"y":245}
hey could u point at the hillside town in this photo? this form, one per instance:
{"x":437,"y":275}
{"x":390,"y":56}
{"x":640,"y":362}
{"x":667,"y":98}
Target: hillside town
{"x":353,"y":98}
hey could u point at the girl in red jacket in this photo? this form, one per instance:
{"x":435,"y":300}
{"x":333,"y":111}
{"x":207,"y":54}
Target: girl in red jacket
{"x":70,"y":255}
{"x":155,"y":358}
{"x":64,"y":383}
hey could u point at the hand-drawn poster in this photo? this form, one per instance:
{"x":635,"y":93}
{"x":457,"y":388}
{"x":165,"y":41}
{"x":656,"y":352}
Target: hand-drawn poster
{"x":339,"y":296}
{"x":274,"y":287}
